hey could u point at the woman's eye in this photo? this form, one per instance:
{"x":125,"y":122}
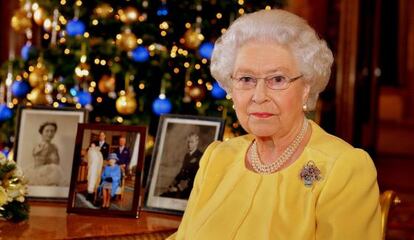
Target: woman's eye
{"x":246,"y":79}
{"x":278,"y":79}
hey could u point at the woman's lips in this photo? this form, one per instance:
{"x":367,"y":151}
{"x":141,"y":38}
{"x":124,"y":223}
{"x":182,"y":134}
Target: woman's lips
{"x":262,"y":114}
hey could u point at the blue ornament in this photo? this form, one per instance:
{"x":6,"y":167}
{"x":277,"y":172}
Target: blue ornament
{"x":26,"y":51}
{"x":5,"y":151}
{"x":218,"y":92}
{"x":84,"y":98}
{"x":206,"y":49}
{"x":5,"y":112}
{"x":20,"y":89}
{"x":162,"y":10}
{"x":161,"y":106}
{"x":140,"y":54}
{"x":73,"y":91}
{"x":75,"y":27}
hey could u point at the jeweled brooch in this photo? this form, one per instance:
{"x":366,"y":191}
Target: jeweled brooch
{"x":310,"y":173}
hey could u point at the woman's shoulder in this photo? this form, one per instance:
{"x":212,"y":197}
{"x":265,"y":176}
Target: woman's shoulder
{"x":330,"y":149}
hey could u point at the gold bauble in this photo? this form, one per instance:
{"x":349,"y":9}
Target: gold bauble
{"x":47,"y":25}
{"x":103,"y":10}
{"x":126,"y":40}
{"x":37,"y":96}
{"x":192,"y":39}
{"x":126,"y":104}
{"x":39,"y":16}
{"x":20,"y":22}
{"x":38,"y":77}
{"x":128,"y":15}
{"x":106,"y":84}
{"x":197,"y":93}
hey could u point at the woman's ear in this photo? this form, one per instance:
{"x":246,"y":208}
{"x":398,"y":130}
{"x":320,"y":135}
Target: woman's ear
{"x":305,"y":95}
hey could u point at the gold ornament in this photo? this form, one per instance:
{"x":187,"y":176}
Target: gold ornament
{"x":38,"y":77}
{"x":82,"y":71}
{"x":192,"y":39}
{"x":38,"y":96}
{"x":126,"y":40}
{"x":126,"y":104}
{"x":39,"y":16}
{"x":128,"y":15}
{"x":197,"y":93}
{"x":106,"y":84}
{"x":20,"y":22}
{"x":103,"y":10}
{"x":47,"y":25}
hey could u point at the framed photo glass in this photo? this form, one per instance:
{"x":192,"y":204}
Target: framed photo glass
{"x":180,"y":143}
{"x":107,"y":170}
{"x":44,"y":146}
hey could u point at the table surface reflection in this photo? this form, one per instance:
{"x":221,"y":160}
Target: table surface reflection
{"x":50,"y":221}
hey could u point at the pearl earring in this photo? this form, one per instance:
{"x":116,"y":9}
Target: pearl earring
{"x":305,"y":107}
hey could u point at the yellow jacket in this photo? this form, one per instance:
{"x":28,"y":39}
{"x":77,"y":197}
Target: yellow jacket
{"x":229,"y":201}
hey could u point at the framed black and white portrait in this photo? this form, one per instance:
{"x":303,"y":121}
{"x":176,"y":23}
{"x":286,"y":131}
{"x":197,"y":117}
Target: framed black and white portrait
{"x":44,"y":146}
{"x":180,"y":143}
{"x":107,"y":170}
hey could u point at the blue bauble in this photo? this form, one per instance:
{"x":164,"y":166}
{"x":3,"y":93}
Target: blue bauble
{"x":162,"y":10}
{"x":73,"y":91}
{"x":218,"y":92}
{"x":140,"y":54}
{"x":5,"y":112}
{"x":161,"y":106}
{"x":84,"y":98}
{"x":206,"y":49}
{"x":26,"y":51}
{"x":5,"y":151}
{"x":75,"y":27}
{"x":20,"y":89}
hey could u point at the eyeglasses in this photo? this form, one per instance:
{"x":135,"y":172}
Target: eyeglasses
{"x":276,"y":81}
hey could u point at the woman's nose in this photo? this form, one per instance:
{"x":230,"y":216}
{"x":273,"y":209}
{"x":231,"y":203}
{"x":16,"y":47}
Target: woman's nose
{"x":260,"y":92}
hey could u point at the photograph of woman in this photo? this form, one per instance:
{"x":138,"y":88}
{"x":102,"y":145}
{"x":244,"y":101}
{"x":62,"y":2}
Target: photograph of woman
{"x":47,"y":170}
{"x":287,"y":178}
{"x":111,"y":180}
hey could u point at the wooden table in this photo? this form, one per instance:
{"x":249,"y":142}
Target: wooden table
{"x":50,"y":221}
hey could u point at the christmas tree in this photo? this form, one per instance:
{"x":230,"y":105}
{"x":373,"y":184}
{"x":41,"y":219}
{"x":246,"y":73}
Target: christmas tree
{"x":126,"y":61}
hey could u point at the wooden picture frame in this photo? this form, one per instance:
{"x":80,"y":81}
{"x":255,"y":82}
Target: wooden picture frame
{"x":44,"y":147}
{"x":179,"y":145}
{"x":97,"y":180}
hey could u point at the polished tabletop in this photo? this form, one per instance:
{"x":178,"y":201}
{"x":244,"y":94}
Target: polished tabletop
{"x":50,"y":221}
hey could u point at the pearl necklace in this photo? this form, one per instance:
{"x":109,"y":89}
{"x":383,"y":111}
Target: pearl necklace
{"x":259,"y":167}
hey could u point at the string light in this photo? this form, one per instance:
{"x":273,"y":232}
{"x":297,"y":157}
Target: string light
{"x":186,"y":64}
{"x":15,"y":101}
{"x":103,"y":62}
{"x":46,"y":36}
{"x":187,"y":25}
{"x":241,"y":11}
{"x":163,"y":33}
{"x":141,"y":86}
{"x":189,"y":83}
{"x":197,"y":66}
{"x":199,"y":104}
{"x":86,"y":34}
{"x":164,"y":25}
{"x":62,"y":2}
{"x":209,"y":86}
{"x":62,"y":20}
{"x":241,"y":2}
{"x":268,"y":7}
{"x":93,"y":84}
{"x":63,"y":99}
{"x":95,"y":22}
{"x":66,"y":51}
{"x":119,"y":119}
{"x":31,"y":68}
{"x":35,"y":6}
{"x":223,"y":30}
{"x":96,"y":61}
{"x":55,"y":104}
{"x":139,"y":41}
{"x":204,"y":60}
{"x":78,"y":3}
{"x":78,"y":106}
{"x":200,"y":81}
{"x":25,"y":75}
{"x":176,"y":70}
{"x":91,"y":89}
{"x":219,"y":15}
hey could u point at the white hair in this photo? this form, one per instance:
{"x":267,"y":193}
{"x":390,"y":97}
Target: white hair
{"x":313,"y":56}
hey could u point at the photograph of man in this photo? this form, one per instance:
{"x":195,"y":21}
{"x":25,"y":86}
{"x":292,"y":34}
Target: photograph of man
{"x":183,"y":182}
{"x":104,"y":146}
{"x":124,"y":155}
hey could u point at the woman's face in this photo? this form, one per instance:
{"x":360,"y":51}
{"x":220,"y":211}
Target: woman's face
{"x":262,"y":111}
{"x":48,"y":132}
{"x":112,"y":162}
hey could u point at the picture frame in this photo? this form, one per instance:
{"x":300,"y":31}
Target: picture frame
{"x":107,"y":170}
{"x":180,"y":142}
{"x":44,"y":146}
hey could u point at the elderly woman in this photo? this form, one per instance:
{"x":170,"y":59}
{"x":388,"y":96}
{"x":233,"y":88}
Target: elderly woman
{"x":288,"y":178}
